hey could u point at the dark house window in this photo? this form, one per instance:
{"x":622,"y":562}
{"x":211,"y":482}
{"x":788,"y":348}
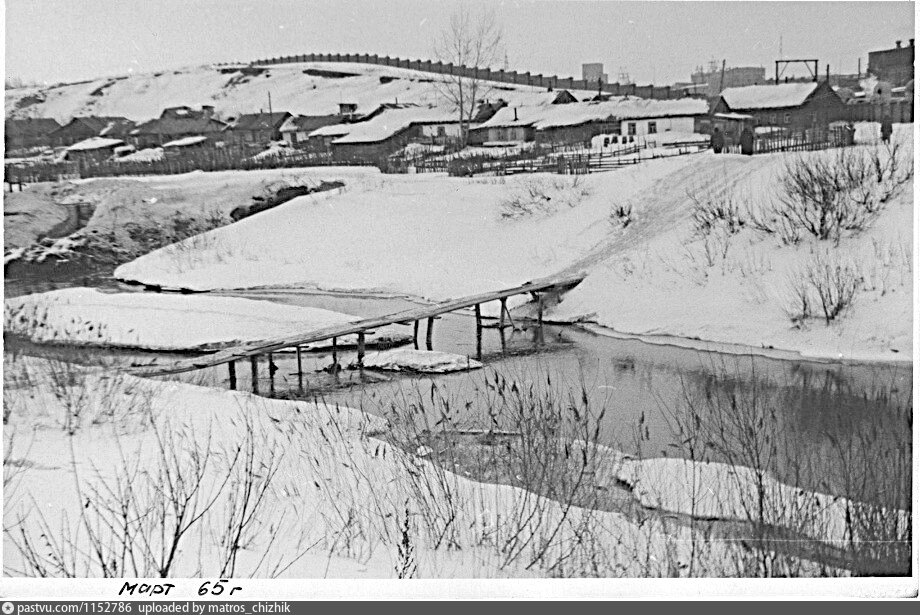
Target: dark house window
{"x":787,"y":118}
{"x":631,"y":128}
{"x":652,"y":127}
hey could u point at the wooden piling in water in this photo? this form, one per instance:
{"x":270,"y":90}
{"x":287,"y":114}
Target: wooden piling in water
{"x":299,"y":371}
{"x":415,"y":335}
{"x":478,"y":332}
{"x":254,"y":364}
{"x":429,"y":333}
{"x":335,"y":354}
{"x":231,"y":366}
{"x":271,"y":375}
{"x":361,"y":349}
{"x":501,"y":315}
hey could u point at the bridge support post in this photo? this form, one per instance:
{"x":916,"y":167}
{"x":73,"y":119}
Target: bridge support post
{"x":429,"y":332}
{"x":272,"y":368}
{"x":478,"y":333}
{"x":501,"y":322}
{"x":231,"y":366}
{"x":415,"y":335}
{"x":335,"y":355}
{"x":254,"y":364}
{"x":361,"y":349}
{"x":299,"y":371}
{"x":540,"y":318}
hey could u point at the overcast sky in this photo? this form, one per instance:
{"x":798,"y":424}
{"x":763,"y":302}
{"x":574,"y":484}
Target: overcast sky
{"x":661,"y":42}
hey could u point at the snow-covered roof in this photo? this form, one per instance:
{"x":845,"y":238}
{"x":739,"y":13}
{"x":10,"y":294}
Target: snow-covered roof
{"x":94,"y":143}
{"x":392,"y":121}
{"x":334,"y":130}
{"x":768,"y":96}
{"x":574,"y":114}
{"x":734,"y":116}
{"x":186,"y":141}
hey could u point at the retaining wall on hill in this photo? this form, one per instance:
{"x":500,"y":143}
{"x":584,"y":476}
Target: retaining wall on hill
{"x":501,"y":76}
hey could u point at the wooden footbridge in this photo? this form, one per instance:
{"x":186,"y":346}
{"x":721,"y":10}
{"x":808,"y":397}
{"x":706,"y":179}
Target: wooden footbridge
{"x":253,"y":350}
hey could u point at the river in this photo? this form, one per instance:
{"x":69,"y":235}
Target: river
{"x":827,"y":425}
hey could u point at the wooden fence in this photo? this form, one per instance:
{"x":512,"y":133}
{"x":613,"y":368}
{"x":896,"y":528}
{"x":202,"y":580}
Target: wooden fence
{"x":203,"y":160}
{"x":801,"y":142}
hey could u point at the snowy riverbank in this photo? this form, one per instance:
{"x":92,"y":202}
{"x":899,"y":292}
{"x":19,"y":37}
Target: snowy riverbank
{"x":651,"y":270}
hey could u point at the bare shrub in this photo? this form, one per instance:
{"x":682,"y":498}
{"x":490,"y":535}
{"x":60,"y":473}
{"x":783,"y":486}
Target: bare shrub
{"x":179,"y":227}
{"x":827,"y":195}
{"x":710,"y":210}
{"x":136,"y":519}
{"x":540,"y":196}
{"x":621,"y":215}
{"x":536,"y":434}
{"x":824,"y":286}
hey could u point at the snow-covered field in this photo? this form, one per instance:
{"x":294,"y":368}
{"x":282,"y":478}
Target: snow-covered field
{"x":82,"y":445}
{"x":631,"y":231}
{"x":88,"y":317}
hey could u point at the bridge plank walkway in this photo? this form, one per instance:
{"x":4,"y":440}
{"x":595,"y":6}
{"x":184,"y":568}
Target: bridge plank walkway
{"x":253,"y":349}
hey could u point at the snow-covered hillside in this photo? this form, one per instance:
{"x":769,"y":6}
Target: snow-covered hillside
{"x":141,"y":97}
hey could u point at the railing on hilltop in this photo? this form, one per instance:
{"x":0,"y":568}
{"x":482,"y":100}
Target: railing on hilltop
{"x":501,"y":76}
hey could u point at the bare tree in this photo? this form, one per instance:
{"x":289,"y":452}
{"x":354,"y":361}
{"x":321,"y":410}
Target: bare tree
{"x":471,"y":41}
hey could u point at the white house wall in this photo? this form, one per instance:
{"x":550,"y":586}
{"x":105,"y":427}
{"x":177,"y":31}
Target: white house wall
{"x":662,"y":124}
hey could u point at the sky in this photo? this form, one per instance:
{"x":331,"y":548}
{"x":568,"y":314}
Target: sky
{"x":50,"y":41}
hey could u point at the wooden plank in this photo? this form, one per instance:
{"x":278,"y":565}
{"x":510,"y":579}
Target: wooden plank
{"x":339,"y":330}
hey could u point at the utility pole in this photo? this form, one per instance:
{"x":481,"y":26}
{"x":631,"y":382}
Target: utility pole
{"x":269,"y":104}
{"x":722,"y":78}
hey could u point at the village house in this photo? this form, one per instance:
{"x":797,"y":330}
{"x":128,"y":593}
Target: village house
{"x":257,"y":128}
{"x":577,"y":123}
{"x":372,"y":140}
{"x":498,"y":122}
{"x":28,"y":133}
{"x":177,"y":123}
{"x":93,"y":149}
{"x":296,"y":130}
{"x":794,"y":107}
{"x":82,"y":128}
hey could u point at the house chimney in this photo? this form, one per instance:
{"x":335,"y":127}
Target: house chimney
{"x":208,"y":111}
{"x":897,"y":44}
